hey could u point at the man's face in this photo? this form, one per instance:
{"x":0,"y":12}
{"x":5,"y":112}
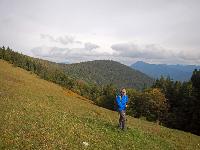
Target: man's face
{"x":123,"y":92}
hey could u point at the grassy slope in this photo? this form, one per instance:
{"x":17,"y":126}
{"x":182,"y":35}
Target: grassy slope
{"x":41,"y":115}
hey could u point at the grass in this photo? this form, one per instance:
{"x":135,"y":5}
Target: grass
{"x":37,"y":114}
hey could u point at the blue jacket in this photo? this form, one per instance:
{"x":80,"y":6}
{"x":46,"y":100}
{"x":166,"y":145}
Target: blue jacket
{"x":121,"y":102}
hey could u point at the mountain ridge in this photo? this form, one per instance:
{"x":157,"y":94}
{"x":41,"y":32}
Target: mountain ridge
{"x":176,"y":72}
{"x":104,"y":72}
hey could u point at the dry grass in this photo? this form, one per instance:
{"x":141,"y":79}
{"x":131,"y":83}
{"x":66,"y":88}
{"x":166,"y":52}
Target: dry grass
{"x":37,"y":114}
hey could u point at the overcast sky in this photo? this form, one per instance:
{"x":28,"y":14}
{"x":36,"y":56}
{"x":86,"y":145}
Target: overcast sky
{"x":154,"y":31}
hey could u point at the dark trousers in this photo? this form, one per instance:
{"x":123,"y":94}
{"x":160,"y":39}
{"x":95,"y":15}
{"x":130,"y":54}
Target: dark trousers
{"x":122,"y":119}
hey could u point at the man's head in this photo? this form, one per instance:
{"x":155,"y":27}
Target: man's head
{"x":123,"y":91}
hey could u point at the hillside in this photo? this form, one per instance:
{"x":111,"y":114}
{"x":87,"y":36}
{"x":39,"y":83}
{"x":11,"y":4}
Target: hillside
{"x":176,"y":72}
{"x":94,"y":73}
{"x":104,"y":72}
{"x":37,"y":114}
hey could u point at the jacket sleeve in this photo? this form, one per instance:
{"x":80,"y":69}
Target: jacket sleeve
{"x":119,"y":104}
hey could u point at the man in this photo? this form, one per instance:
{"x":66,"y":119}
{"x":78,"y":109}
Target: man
{"x":121,"y":102}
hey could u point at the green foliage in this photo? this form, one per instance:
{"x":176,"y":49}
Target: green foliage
{"x":107,"y":98}
{"x":150,"y":104}
{"x":195,"y":117}
{"x":196,"y":79}
{"x":184,"y":105}
{"x":135,"y":104}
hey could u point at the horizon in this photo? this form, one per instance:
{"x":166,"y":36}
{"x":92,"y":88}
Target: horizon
{"x":66,"y":62}
{"x":154,"y":31}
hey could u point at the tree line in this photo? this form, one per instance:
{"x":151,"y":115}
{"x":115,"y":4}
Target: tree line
{"x":183,"y":100}
{"x":170,"y":103}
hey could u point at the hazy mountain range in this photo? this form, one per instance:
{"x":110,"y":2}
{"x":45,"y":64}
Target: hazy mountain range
{"x":176,"y":72}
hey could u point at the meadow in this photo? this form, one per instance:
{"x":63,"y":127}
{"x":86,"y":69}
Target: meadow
{"x":37,"y":114}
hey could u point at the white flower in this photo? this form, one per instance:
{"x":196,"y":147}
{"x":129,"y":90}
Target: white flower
{"x":85,"y":143}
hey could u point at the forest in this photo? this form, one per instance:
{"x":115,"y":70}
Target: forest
{"x":170,"y":103}
{"x":104,"y":72}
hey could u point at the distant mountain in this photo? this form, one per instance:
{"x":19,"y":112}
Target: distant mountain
{"x":176,"y":72}
{"x":104,"y":72}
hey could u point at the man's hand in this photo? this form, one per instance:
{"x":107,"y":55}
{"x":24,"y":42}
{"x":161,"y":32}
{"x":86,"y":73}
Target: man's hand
{"x":126,"y":105}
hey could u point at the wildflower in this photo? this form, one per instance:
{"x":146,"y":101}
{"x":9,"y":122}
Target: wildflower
{"x":85,"y":144}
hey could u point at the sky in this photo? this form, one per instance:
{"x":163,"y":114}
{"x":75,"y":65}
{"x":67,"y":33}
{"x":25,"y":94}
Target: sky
{"x":71,"y":31}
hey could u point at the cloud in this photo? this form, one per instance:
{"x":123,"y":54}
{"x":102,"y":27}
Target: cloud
{"x":90,"y":46}
{"x":44,"y":51}
{"x":76,"y":50}
{"x":65,"y":40}
{"x":155,"y":53}
{"x":49,"y":37}
{"x":190,"y":55}
{"x":87,"y":52}
{"x":171,"y":23}
{"x":150,"y":51}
